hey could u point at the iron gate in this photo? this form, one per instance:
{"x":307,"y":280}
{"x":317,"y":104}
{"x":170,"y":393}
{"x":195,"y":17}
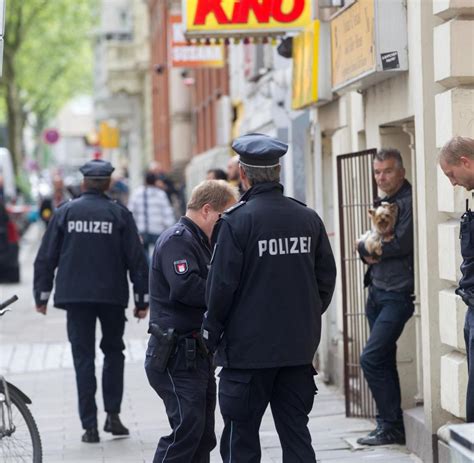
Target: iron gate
{"x":357,"y":190}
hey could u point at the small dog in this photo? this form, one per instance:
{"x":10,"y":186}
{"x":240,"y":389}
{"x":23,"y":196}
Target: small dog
{"x":383,"y":218}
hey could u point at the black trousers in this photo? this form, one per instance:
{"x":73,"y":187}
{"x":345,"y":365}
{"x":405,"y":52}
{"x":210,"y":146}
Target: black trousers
{"x":81,"y":325}
{"x":469,"y":340}
{"x":387,"y":313}
{"x":189,"y":396}
{"x":243,"y":398}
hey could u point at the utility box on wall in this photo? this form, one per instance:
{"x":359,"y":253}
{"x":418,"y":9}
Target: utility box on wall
{"x":369,"y":43}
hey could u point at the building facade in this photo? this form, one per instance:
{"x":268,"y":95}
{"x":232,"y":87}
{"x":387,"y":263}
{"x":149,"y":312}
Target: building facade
{"x":122,"y":82}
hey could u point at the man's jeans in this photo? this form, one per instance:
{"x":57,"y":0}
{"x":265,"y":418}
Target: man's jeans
{"x":469,"y":340}
{"x":387,"y":313}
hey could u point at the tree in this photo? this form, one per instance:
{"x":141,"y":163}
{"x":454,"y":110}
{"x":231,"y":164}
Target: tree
{"x":47,"y":60}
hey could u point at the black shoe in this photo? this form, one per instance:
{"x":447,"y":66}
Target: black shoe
{"x":115,"y":426}
{"x":383,"y":437}
{"x":91,"y":436}
{"x":373,"y":432}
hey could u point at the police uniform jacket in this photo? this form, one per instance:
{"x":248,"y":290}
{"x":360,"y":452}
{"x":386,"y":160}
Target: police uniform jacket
{"x":178,"y":275}
{"x":272,"y":276}
{"x":93,"y":242}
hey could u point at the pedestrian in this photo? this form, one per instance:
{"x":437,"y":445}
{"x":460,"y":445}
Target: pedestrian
{"x":389,"y":306}
{"x":49,"y":203}
{"x":272,"y":276}
{"x":93,"y":242}
{"x":216,"y":174}
{"x":152,"y":211}
{"x":173,"y":189}
{"x":233,"y":174}
{"x":177,"y":365}
{"x":456,"y":160}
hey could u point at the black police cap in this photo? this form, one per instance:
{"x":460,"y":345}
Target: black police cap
{"x":97,"y":168}
{"x":259,"y":150}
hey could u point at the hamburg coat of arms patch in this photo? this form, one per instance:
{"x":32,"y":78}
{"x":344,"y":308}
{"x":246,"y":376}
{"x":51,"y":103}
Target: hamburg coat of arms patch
{"x":181,"y":266}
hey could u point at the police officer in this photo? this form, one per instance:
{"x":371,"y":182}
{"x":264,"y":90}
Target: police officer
{"x":177,"y":364}
{"x":272,"y":276}
{"x":93,"y":242}
{"x":456,"y":160}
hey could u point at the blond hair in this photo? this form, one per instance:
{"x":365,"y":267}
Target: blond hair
{"x":452,"y":151}
{"x":217,"y":193}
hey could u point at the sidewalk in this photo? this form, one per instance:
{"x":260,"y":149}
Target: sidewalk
{"x":35,"y":356}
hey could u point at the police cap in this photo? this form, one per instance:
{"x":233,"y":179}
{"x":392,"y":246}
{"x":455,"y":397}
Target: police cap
{"x":258,"y":150}
{"x":97,"y":168}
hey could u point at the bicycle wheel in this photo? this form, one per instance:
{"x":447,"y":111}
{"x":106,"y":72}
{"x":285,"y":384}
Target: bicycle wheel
{"x":24,"y":444}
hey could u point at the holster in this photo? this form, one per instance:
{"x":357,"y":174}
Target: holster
{"x":165,"y":347}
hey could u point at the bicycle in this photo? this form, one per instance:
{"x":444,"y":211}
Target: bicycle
{"x":19,"y":436}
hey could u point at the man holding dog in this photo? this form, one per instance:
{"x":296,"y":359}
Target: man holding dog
{"x":390,"y":282}
{"x":456,"y":160}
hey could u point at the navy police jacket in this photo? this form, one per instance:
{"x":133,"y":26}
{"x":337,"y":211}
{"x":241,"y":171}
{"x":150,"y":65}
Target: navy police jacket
{"x":178,"y":275}
{"x":272,"y":276}
{"x":93,"y":242}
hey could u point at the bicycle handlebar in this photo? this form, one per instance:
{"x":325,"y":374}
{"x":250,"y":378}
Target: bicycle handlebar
{"x":8,"y":302}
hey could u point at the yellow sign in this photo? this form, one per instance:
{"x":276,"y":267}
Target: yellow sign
{"x":109,"y":137}
{"x":305,"y":66}
{"x":353,"y":42}
{"x":233,"y":17}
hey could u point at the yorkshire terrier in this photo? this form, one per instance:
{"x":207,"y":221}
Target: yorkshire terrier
{"x":383,"y":219}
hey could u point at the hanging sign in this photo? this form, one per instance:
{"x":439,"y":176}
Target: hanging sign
{"x":184,"y":55}
{"x":305,"y":67}
{"x":220,"y":18}
{"x":311,"y":76}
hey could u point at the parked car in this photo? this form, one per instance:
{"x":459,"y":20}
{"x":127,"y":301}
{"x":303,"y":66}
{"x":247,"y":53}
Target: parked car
{"x":9,"y":248}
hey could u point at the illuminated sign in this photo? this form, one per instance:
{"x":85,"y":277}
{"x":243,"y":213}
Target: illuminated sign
{"x":184,"y":55}
{"x":311,"y":75}
{"x":233,"y":17}
{"x":305,"y":67}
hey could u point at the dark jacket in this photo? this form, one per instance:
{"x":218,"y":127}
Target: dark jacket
{"x":394,"y":272}
{"x":178,"y":275}
{"x":272,"y":276}
{"x":93,"y":242}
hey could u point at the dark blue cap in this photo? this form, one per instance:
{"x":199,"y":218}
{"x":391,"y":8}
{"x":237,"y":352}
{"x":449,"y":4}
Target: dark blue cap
{"x":256,"y":149}
{"x":97,"y":168}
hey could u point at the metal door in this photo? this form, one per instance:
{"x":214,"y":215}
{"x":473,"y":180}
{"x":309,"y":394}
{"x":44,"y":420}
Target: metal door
{"x":357,"y":190}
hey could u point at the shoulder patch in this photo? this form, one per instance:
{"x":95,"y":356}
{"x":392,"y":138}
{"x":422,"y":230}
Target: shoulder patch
{"x":234,"y":207}
{"x":297,"y":201}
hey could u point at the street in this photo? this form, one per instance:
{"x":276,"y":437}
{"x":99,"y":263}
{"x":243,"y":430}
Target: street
{"x":35,"y":356}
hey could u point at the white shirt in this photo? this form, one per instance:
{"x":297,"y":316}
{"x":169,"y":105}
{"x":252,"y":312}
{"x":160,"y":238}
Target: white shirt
{"x":151,"y":209}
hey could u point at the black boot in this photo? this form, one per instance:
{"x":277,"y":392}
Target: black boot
{"x":115,"y":426}
{"x":91,"y":436}
{"x":383,"y":437}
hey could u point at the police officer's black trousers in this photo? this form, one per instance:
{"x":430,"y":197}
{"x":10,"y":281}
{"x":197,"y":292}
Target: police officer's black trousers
{"x":469,"y":340}
{"x":189,"y":396}
{"x":81,"y":326}
{"x":243,"y":398}
{"x":387,"y":313}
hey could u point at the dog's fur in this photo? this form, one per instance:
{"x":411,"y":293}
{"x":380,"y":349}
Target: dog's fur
{"x":383,"y":219}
